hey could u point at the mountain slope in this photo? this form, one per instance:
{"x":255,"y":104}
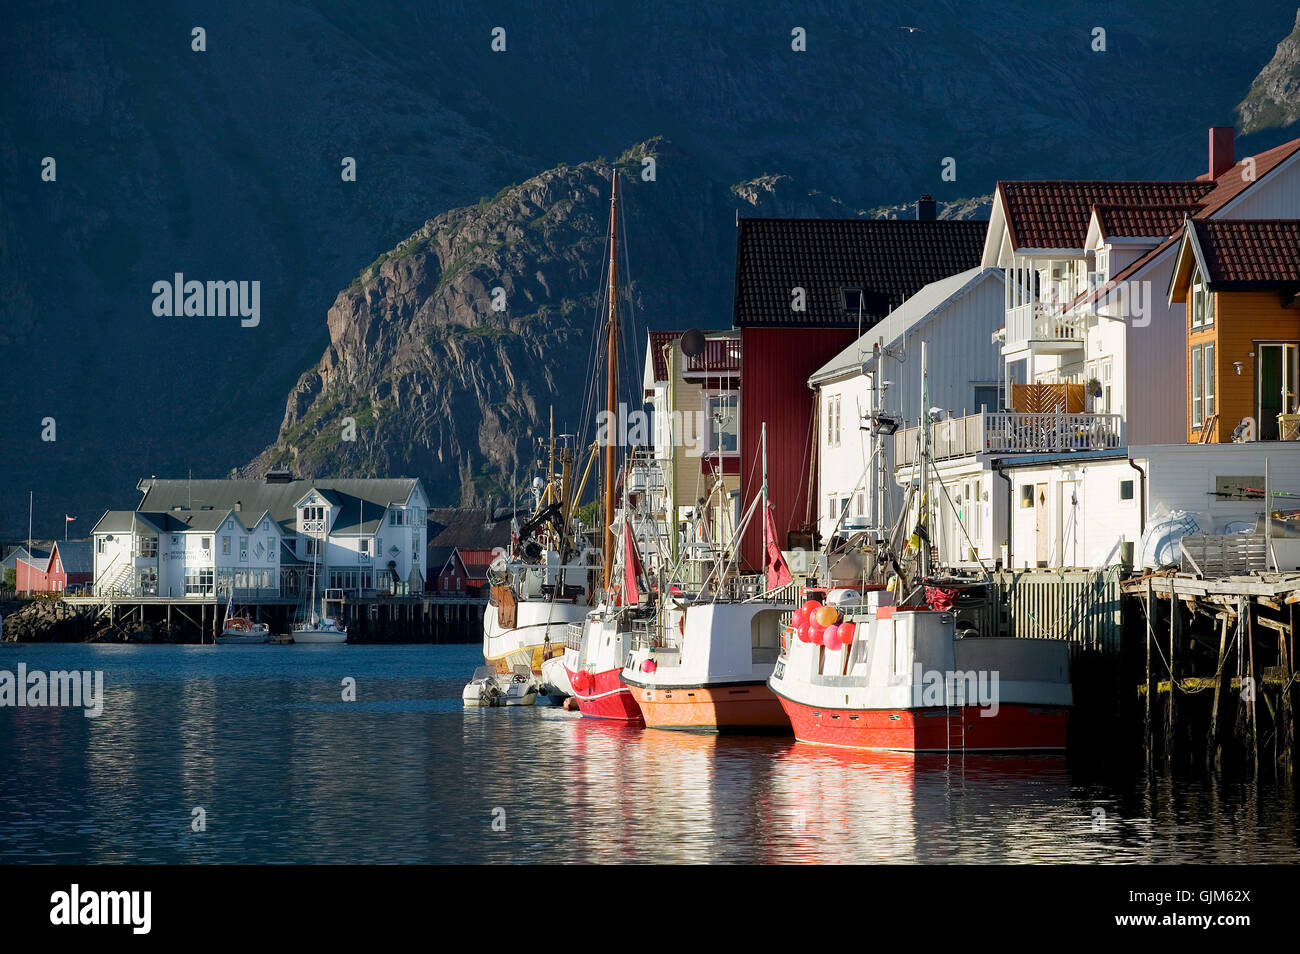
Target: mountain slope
{"x":441,"y":385}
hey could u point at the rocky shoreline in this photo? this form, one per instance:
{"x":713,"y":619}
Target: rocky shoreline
{"x":54,"y":621}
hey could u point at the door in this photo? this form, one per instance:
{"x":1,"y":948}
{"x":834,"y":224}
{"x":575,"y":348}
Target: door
{"x":1278,"y":378}
{"x":1042,"y":525}
{"x":1067,"y":522}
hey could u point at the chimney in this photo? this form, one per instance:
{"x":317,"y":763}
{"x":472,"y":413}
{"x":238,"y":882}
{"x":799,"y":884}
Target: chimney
{"x":925,"y":207}
{"x":1220,"y":150}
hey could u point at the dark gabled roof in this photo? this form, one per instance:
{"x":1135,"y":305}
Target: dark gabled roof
{"x":466,"y":528}
{"x":889,"y":259}
{"x":357,"y":497}
{"x":1054,"y":213}
{"x":1249,"y":252}
{"x":35,"y":557}
{"x":76,"y":556}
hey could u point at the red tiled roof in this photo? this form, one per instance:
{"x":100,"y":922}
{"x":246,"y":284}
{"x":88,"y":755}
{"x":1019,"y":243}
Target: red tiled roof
{"x":720,"y":355}
{"x":1250,"y":251}
{"x":1231,"y":183}
{"x":1137,"y":221}
{"x":657,"y":341}
{"x":1055,"y":213}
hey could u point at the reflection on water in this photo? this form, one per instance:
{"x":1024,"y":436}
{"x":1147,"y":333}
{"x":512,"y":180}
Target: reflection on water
{"x":260,"y":739}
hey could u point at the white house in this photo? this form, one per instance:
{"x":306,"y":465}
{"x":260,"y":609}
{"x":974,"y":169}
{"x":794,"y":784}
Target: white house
{"x":955,"y":317}
{"x":1089,"y":328}
{"x":205,"y":539}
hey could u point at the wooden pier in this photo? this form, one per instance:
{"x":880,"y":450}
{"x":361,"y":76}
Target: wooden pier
{"x":1219,"y":662}
{"x":423,"y":618}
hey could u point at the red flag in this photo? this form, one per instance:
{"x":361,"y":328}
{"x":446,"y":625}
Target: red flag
{"x":631,"y":567}
{"x":778,"y":572}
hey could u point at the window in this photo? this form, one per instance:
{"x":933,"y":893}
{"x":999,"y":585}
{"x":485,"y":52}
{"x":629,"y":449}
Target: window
{"x":1126,"y":490}
{"x":851,"y":299}
{"x":148,"y":546}
{"x":1201,"y":302}
{"x":724,"y":422}
{"x":101,"y":545}
{"x":243,"y":549}
{"x":205,"y":543}
{"x":311,"y":546}
{"x":1197,"y":387}
{"x":833,"y":420}
{"x":860,"y":507}
{"x":1208,"y":362}
{"x":364,"y":546}
{"x":1026,"y":496}
{"x":225,"y":546}
{"x":198,"y":581}
{"x":313,"y":513}
{"x":986,"y":397}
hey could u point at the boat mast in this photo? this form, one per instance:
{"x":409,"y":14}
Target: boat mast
{"x":924,"y":509}
{"x":611,"y":387}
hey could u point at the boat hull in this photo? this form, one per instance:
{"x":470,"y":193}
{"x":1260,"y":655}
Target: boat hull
{"x":1015,"y":728}
{"x":526,"y":644}
{"x":607,"y":698}
{"x":748,"y":706}
{"x":321,"y":637}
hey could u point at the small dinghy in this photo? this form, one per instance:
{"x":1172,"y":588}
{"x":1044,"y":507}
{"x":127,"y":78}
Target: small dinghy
{"x":491,"y":688}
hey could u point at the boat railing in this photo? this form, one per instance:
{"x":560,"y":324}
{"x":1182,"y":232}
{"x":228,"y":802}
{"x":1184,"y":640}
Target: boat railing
{"x":573,"y":637}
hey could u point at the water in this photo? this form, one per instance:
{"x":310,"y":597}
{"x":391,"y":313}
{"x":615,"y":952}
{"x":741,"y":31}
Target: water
{"x":260,"y":739}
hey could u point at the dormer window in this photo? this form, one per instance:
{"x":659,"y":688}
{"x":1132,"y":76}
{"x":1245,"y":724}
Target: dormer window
{"x":851,"y":298}
{"x":313,"y":513}
{"x":1201,"y":302}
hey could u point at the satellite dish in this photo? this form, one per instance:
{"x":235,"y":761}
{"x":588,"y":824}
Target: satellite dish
{"x":693,"y":343}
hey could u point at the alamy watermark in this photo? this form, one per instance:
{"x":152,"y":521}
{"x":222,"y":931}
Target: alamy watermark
{"x":194,"y":299}
{"x":36,"y":689}
{"x":933,"y":687}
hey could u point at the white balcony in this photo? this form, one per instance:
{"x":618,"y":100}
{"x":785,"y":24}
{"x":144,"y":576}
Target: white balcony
{"x":1043,"y":328}
{"x":1011,"y":432}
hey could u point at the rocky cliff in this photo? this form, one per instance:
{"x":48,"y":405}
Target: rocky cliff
{"x":424,"y":376}
{"x":1274,"y":97}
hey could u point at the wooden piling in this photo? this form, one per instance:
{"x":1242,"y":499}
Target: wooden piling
{"x":1212,"y":755}
{"x":1173,"y":679}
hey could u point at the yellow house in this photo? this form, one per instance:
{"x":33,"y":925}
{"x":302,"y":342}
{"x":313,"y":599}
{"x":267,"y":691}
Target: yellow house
{"x":1240,"y":280}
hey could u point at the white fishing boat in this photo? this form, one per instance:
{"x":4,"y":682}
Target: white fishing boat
{"x":703,"y":662}
{"x":542,"y":582}
{"x":866,"y":671}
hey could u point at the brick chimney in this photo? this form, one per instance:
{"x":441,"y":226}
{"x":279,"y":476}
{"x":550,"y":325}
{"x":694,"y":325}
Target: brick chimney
{"x":925,"y":206}
{"x":1220,"y":150}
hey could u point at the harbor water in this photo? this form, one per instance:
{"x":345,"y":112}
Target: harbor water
{"x":257,"y":748}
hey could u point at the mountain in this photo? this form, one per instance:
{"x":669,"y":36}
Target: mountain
{"x":1274,"y":97}
{"x":225,"y":164}
{"x":430,"y":379}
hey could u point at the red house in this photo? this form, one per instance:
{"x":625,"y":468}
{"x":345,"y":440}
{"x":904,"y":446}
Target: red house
{"x":805,"y":289}
{"x":30,"y":572}
{"x":69,"y":564}
{"x":461,"y":547}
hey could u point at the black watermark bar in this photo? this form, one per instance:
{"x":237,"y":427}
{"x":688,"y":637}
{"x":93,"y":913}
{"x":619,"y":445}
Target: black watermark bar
{"x":133,"y":904}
